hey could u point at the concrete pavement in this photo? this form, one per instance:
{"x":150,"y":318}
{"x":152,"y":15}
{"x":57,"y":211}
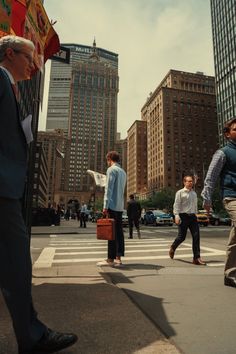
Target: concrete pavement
{"x":82,"y":299}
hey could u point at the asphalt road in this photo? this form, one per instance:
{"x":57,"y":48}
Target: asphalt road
{"x":188,"y":303}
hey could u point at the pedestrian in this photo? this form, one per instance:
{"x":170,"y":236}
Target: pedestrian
{"x":223,"y":165}
{"x":113,"y":207}
{"x":83,"y":215}
{"x":16,"y":64}
{"x":134,"y":213}
{"x":185,"y":209}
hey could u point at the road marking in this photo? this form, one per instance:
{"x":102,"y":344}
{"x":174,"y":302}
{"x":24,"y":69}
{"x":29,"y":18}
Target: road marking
{"x":45,"y":259}
{"x":76,"y":260}
{"x":215,"y":264}
{"x":50,"y":255}
{"x":144,"y":240}
{"x":52,"y":236}
{"x":127,"y":252}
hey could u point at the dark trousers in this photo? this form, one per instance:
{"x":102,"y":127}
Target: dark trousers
{"x":188,"y":221}
{"x":83,"y":218}
{"x":133,"y":222}
{"x":16,"y":274}
{"x":116,"y":247}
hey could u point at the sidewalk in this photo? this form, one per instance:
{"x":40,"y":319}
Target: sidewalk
{"x":83,"y":300}
{"x":66,"y":227}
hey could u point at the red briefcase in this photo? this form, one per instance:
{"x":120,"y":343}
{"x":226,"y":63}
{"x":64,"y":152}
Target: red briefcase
{"x":106,"y":229}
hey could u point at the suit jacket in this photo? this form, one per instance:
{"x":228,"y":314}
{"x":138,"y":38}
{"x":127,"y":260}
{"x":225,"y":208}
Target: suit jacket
{"x":134,"y":209}
{"x":13,"y":145}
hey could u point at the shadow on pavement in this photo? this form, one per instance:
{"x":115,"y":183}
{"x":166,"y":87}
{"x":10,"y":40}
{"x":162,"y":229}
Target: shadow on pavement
{"x":104,"y":318}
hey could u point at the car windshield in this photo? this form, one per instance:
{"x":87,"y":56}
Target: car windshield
{"x":158,"y":212}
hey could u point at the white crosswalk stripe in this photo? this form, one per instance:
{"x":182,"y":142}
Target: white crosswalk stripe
{"x":64,"y":251}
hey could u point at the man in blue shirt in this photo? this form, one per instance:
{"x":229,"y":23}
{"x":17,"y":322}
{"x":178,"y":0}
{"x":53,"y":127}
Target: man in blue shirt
{"x":113,"y":207}
{"x":223,"y":165}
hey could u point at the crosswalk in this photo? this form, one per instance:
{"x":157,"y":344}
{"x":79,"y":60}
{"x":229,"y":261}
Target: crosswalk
{"x":64,"y":250}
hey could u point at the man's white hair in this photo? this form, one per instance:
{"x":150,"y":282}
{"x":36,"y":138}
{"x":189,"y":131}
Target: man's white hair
{"x":13,"y":42}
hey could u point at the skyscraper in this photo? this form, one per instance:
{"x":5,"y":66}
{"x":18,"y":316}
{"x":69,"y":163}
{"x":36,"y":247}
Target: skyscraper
{"x":61,"y":80}
{"x":223,"y":14}
{"x":83,"y":102}
{"x":181,"y":129}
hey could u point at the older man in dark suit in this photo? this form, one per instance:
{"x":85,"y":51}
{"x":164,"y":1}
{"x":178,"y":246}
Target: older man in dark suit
{"x":16,"y":63}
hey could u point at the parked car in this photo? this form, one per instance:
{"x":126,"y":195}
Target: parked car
{"x":215,"y":219}
{"x":157,"y":217}
{"x":125,"y":220}
{"x":224,"y":221}
{"x":202,"y":219}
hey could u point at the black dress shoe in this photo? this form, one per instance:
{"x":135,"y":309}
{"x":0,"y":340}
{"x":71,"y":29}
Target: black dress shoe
{"x":198,"y":261}
{"x":171,"y":252}
{"x":230,"y":282}
{"x":53,"y":341}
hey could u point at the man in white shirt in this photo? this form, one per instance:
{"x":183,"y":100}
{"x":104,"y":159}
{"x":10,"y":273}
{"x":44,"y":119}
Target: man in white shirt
{"x":185,"y":209}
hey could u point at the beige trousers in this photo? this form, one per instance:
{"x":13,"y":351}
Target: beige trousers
{"x":230,"y":265}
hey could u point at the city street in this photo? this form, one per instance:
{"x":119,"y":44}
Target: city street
{"x":188,"y":303}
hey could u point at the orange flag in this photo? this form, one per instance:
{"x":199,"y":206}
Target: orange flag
{"x":5,"y":17}
{"x":28,"y":19}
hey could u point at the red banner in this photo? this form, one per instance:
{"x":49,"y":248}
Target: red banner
{"x":28,"y":19}
{"x":5,"y":16}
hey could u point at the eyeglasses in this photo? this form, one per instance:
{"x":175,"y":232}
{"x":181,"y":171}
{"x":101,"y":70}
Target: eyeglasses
{"x":26,"y":55}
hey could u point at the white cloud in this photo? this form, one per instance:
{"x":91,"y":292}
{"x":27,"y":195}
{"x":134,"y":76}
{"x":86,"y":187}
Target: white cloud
{"x":150,"y":36}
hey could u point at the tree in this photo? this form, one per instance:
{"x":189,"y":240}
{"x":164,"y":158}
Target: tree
{"x":161,"y":200}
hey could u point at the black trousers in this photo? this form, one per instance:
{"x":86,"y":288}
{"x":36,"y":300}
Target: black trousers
{"x":188,"y":221}
{"x":16,"y":274}
{"x":133,"y":221}
{"x":116,"y":247}
{"x":83,"y":218}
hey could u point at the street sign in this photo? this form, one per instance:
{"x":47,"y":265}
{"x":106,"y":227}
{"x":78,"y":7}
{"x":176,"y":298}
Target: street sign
{"x":63,"y":55}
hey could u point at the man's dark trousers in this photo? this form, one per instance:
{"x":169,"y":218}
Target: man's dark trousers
{"x":16,"y":273}
{"x":133,"y":221}
{"x":188,"y":221}
{"x":117,"y":246}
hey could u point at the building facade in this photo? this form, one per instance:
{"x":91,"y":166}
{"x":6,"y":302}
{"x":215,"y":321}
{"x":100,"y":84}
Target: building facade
{"x":53,"y":144}
{"x":61,"y":81}
{"x":223,"y":14}
{"x":182,"y":130}
{"x":121,"y":148}
{"x":83,"y":102}
{"x":137,"y":159}
{"x":40,"y":183}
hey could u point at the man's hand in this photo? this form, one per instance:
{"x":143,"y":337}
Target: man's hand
{"x":105,"y":212}
{"x":177,"y":220}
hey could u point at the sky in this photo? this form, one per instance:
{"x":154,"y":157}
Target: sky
{"x":150,"y":36}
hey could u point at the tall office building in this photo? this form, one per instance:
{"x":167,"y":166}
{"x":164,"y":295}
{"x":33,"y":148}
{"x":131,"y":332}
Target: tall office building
{"x":137,"y":159}
{"x":61,"y":80}
{"x":53,"y":143}
{"x":181,"y":129}
{"x":223,"y":14}
{"x":83,"y":102}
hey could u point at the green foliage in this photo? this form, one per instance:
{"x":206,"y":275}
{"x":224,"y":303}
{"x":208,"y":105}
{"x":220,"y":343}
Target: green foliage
{"x":98,"y":204}
{"x":163,"y":200}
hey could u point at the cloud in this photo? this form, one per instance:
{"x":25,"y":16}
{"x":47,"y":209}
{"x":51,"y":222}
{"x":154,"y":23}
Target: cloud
{"x":150,"y":36}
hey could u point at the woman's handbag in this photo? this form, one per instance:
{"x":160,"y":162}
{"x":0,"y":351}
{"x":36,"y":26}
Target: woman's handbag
{"x":106,"y":229}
